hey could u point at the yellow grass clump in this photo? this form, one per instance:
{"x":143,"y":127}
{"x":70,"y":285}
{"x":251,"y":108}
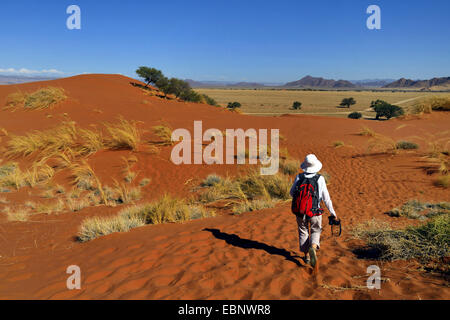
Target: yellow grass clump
{"x":434,"y":103}
{"x":367,"y":132}
{"x":123,"y":135}
{"x":37,"y":100}
{"x":166,"y":209}
{"x":85,"y":178}
{"x":19,"y":214}
{"x":164,"y":132}
{"x":45,"y":143}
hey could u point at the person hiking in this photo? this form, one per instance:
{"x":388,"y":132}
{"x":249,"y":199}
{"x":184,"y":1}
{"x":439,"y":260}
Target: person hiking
{"x":308,"y":191}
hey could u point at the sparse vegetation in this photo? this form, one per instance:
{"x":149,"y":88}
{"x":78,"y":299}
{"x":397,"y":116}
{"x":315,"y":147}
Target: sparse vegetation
{"x":367,"y":132}
{"x":123,"y":135}
{"x":37,"y":100}
{"x":253,"y":205}
{"x":406,"y":145}
{"x":166,"y":209}
{"x":212,"y":180}
{"x":164,"y":132}
{"x":241,"y":191}
{"x":424,"y":242}
{"x":144,"y":182}
{"x":18,"y":214}
{"x":443,"y":181}
{"x":289,"y":167}
{"x":414,"y":209}
{"x":96,"y":227}
{"x":338,"y":144}
{"x":434,"y":103}
{"x":382,"y":144}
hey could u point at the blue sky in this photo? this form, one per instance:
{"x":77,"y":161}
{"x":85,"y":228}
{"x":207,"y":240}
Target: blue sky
{"x":232,"y":40}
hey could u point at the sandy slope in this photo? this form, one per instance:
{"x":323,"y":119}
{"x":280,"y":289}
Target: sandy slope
{"x":252,"y":256}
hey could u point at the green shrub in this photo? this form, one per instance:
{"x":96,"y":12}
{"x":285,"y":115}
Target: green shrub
{"x":233,"y":105}
{"x":407,"y":145}
{"x":355,"y":115}
{"x":209,"y":100}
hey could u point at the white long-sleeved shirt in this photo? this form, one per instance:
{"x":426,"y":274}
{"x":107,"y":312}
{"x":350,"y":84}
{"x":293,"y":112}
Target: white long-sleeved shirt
{"x":323,"y":191}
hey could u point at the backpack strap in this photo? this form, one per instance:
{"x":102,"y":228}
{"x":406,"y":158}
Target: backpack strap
{"x":315,"y":182}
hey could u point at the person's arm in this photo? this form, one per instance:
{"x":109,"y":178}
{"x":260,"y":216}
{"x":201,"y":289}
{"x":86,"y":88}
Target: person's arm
{"x":326,"y":196}
{"x":293,"y":186}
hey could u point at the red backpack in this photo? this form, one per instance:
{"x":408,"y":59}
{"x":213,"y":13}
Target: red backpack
{"x":306,"y":197}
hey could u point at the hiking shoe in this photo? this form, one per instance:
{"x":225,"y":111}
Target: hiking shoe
{"x":313,"y":257}
{"x":307,"y":260}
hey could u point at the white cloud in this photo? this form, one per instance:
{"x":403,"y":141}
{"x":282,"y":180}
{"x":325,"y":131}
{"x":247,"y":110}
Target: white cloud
{"x":24,"y":71}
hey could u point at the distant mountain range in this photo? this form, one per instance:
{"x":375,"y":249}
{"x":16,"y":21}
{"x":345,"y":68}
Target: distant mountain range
{"x":432,"y":84}
{"x":22,"y":79}
{"x":314,"y":82}
{"x":374,"y":83}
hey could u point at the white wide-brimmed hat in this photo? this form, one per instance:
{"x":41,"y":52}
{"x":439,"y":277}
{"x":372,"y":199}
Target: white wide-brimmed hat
{"x":311,"y":164}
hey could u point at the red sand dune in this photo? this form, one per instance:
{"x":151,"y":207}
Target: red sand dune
{"x":251,"y":256}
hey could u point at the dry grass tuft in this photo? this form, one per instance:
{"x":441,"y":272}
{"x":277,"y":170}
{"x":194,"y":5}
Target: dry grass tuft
{"x":414,"y":209}
{"x":424,"y":242}
{"x":164,"y":132}
{"x":19,"y":214}
{"x":91,"y":142}
{"x":338,"y":144}
{"x":431,"y":104}
{"x":95,"y":227}
{"x":247,"y":193}
{"x":443,"y":181}
{"x":382,"y":144}
{"x":367,"y":132}
{"x":123,"y":135}
{"x":41,"y":99}
{"x":290,"y":167}
{"x":166,"y":209}
{"x":44,"y":143}
{"x":253,"y":205}
{"x":85,"y":178}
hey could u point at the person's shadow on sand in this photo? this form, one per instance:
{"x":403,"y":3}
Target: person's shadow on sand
{"x":237,"y":241}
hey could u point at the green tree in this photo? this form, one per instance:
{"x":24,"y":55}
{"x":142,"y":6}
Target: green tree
{"x":297,"y":105}
{"x":150,"y":75}
{"x":178,"y":87}
{"x":347,"y":102}
{"x":385,"y":109}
